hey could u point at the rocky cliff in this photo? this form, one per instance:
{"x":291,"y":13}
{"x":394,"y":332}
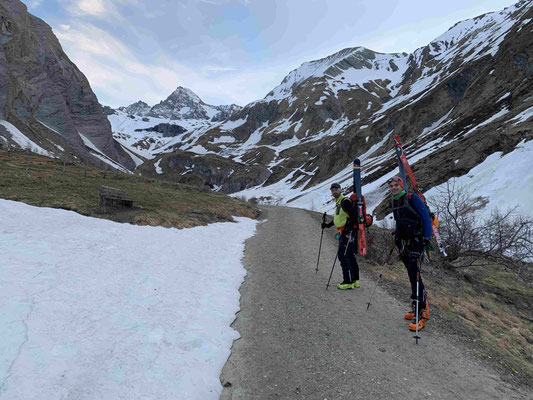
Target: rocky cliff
{"x":45,"y":96}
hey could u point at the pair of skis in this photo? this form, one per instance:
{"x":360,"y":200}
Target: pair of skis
{"x":404,"y":167}
{"x":361,"y":217}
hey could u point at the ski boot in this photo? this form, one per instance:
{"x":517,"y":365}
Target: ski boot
{"x":345,"y":286}
{"x":421,"y":323}
{"x":411,"y":314}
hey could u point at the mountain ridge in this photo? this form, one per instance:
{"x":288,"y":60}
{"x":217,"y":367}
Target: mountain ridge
{"x":307,"y":130}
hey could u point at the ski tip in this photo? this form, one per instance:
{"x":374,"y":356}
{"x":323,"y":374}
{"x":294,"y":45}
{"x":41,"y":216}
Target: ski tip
{"x":357,"y":162}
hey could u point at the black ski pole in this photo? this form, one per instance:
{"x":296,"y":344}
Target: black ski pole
{"x":381,"y":274}
{"x":320,"y":246}
{"x":331,"y":273}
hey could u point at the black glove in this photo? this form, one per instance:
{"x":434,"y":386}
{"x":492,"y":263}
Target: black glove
{"x":328,"y":225}
{"x":428,"y":246}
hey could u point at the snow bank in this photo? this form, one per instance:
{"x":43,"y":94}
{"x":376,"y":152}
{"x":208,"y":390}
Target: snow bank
{"x":92,"y":309}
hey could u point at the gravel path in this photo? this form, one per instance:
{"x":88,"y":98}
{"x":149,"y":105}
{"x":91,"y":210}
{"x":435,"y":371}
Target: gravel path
{"x":300,"y":341}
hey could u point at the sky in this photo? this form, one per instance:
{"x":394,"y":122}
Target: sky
{"x":232,"y":51}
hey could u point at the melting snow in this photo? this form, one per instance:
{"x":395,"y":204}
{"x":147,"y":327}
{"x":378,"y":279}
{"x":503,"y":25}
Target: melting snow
{"x":223,"y":139}
{"x":157,"y":167}
{"x":95,"y":309}
{"x":506,"y":180}
{"x":524,"y":115}
{"x":22,"y":140}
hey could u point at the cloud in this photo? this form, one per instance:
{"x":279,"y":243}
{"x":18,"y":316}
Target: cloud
{"x":92,"y":40}
{"x":34,"y":3}
{"x":119,"y":77}
{"x":101,"y":9}
{"x":216,"y":68}
{"x":93,"y":8}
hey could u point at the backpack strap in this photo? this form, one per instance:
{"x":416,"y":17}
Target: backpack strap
{"x":410,"y":207}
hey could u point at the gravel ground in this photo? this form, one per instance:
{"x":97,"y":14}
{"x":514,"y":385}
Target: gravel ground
{"x":299,"y":341}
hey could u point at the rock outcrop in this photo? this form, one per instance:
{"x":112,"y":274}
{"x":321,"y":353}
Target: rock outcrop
{"x":184,"y":104}
{"x":44,"y":95}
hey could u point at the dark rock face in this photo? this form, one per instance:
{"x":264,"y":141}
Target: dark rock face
{"x":168,"y":130}
{"x":217,"y":172}
{"x":139,"y":108}
{"x":107,"y":110}
{"x":225,"y":112}
{"x":40,"y":85}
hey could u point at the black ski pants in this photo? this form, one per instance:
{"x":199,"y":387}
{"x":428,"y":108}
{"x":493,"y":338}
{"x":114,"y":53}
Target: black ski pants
{"x":412,"y":259}
{"x":346,"y":255}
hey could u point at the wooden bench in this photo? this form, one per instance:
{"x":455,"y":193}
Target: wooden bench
{"x":113,"y":197}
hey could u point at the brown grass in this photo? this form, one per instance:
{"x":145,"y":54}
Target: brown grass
{"x":156,"y":202}
{"x":484,"y":304}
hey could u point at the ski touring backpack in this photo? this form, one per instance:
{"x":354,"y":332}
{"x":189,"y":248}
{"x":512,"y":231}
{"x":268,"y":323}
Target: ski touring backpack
{"x":369,"y":220}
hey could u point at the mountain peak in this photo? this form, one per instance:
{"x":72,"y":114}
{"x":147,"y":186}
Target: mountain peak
{"x":185,"y":93}
{"x":137,"y":108}
{"x":352,"y":65}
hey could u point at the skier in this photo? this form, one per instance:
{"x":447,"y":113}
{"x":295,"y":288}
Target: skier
{"x":344,"y":219}
{"x":412,"y":236}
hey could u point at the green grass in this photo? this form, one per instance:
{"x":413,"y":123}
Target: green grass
{"x":156,"y":202}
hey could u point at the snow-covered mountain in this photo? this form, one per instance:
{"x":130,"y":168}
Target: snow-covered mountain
{"x":182,"y":104}
{"x":139,"y":108}
{"x":348,"y":69}
{"x":455,"y":102}
{"x":144,"y":130}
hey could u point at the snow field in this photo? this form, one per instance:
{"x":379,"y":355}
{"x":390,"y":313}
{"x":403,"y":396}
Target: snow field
{"x":92,"y":309}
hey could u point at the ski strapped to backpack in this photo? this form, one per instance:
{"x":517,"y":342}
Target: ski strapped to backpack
{"x":362,"y":220}
{"x":404,"y":167}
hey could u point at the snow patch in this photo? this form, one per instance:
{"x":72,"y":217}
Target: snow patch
{"x":157,"y":167}
{"x":119,"y":306}
{"x":23,"y":141}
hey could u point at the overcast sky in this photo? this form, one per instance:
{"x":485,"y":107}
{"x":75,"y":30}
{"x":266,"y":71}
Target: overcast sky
{"x":232,"y":51}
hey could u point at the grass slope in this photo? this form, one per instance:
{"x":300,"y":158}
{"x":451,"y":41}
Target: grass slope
{"x":46,"y":182}
{"x":484,"y":305}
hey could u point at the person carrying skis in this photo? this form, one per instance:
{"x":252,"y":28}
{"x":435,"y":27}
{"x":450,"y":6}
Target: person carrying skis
{"x":344,"y":219}
{"x":412,"y":236}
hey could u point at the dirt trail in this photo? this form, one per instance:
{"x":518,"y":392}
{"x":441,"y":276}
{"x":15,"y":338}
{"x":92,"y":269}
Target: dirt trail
{"x":300,"y":341}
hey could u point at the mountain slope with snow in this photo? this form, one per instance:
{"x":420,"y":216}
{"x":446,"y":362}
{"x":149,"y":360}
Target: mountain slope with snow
{"x":458,"y":100}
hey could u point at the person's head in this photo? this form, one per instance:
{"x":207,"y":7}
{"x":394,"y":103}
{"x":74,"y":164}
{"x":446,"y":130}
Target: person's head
{"x":335,"y":189}
{"x":395,"y":185}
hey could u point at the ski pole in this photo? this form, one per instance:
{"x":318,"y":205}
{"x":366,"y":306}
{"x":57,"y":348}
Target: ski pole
{"x":381,"y":274}
{"x":320,"y":246}
{"x":350,"y":239}
{"x":417,"y":336}
{"x":331,"y":273}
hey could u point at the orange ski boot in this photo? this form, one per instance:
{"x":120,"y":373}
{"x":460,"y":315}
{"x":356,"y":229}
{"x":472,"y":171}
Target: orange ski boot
{"x":411,"y":314}
{"x":421,"y":324}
